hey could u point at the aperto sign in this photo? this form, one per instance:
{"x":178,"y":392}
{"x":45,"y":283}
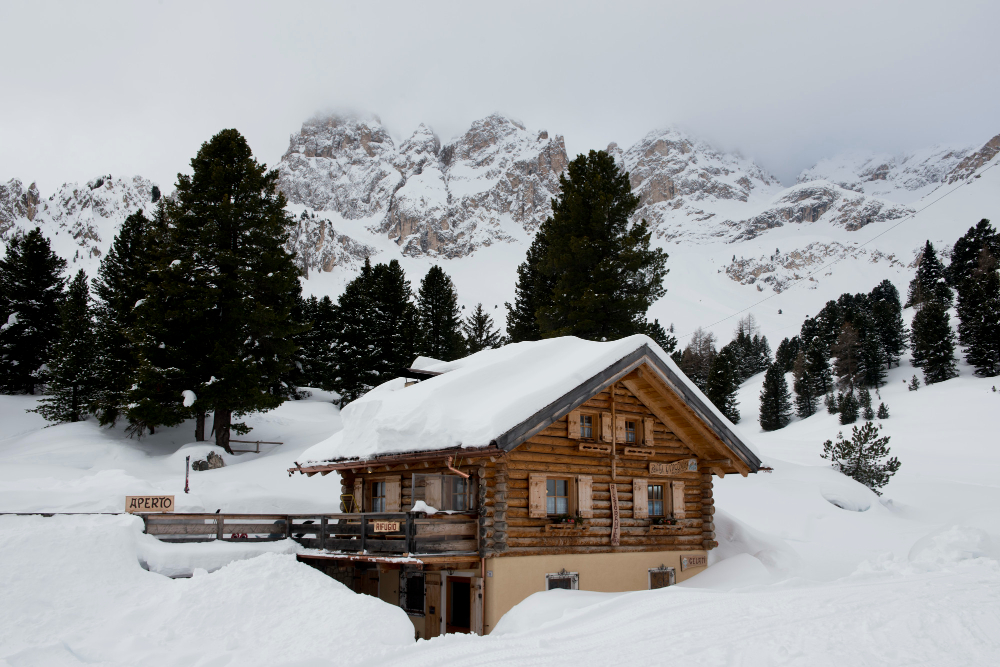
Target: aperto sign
{"x":149,"y":503}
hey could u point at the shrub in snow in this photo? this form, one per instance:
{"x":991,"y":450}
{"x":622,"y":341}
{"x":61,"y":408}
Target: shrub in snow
{"x":914,"y":384}
{"x":865,"y":399}
{"x":832,"y":405}
{"x":864,"y":458}
{"x":883,"y":411}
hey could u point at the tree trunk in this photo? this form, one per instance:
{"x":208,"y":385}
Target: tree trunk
{"x":221,"y":422}
{"x":199,"y":426}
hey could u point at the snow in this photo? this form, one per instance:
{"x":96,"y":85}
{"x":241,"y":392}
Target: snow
{"x":476,"y":399}
{"x":189,"y":398}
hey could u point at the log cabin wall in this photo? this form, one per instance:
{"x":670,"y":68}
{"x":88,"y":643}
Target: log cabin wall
{"x":509,"y":530}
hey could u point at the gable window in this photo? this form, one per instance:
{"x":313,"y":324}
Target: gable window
{"x":587,"y":426}
{"x":656,"y":506}
{"x":378,"y":496}
{"x":557,"y":496}
{"x":630,"y":432}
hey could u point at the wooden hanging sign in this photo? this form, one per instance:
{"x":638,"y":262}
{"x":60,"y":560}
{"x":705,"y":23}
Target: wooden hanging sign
{"x":616,"y":529}
{"x":675,"y":468}
{"x":149,"y":503}
{"x":385,"y":526}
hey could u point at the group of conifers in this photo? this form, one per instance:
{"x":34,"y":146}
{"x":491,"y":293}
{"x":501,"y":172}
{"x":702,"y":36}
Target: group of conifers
{"x":196,"y":310}
{"x":846,"y":350}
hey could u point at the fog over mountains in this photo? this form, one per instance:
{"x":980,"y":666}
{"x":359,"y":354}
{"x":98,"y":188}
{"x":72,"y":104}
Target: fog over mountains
{"x":356,"y":193}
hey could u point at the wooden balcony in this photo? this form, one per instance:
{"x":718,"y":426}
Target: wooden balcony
{"x":390,"y":533}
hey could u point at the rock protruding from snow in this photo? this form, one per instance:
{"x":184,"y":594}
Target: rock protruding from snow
{"x":16,"y":204}
{"x":973,"y":162}
{"x":492,"y":184}
{"x":816,"y":200}
{"x":677,"y":177}
{"x":899,"y":178}
{"x":319,"y":246}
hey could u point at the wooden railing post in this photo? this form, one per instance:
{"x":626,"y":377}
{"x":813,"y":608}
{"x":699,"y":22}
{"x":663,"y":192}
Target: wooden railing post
{"x":219,"y":521}
{"x":409,"y":532}
{"x":364,"y":530}
{"x":322,"y":532}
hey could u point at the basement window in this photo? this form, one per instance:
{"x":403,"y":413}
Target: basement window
{"x":569,"y":581}
{"x":661,"y":577}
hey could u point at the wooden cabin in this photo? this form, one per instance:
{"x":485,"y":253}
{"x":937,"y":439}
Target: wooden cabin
{"x":562,"y":463}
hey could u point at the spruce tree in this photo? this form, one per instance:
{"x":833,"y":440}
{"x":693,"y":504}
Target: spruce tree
{"x":930,"y":281}
{"x":315,"y":357}
{"x":394,"y":333}
{"x":532,"y":291}
{"x":440,"y":320}
{"x":965,"y":256}
{"x":887,"y":322}
{"x":806,"y":398}
{"x":788,"y":352}
{"x":883,"y":411}
{"x":354,"y":354}
{"x":848,"y":407}
{"x":973,"y":272}
{"x":603,"y":272}
{"x":864,"y":457}
{"x":73,"y":373}
{"x":120,"y":284}
{"x":479,"y":331}
{"x":934,"y":342}
{"x":865,"y":402}
{"x":226,"y":288}
{"x":847,"y":364}
{"x":775,"y":401}
{"x":817,"y":366}
{"x":831,"y":403}
{"x":722,"y":382}
{"x":31,"y":292}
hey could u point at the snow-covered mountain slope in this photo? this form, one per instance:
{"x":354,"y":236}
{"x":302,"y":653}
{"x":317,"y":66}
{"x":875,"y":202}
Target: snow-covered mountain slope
{"x":494,"y":183}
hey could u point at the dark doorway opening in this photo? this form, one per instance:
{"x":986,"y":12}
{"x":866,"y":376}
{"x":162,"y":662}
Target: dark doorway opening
{"x":459,"y":605}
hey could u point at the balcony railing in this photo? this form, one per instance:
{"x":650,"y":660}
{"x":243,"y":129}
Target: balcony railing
{"x":370,"y":533}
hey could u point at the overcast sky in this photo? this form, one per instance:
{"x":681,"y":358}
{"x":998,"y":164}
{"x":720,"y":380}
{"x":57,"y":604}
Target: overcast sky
{"x":132,"y":87}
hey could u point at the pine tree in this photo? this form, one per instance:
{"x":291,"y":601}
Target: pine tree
{"x":864,"y":457}
{"x":440,"y":320}
{"x":722,"y":383}
{"x":532,"y":291}
{"x":914,"y":384}
{"x":224,"y":291}
{"x":848,"y":408}
{"x":934,"y":342}
{"x":806,"y":400}
{"x":479,"y":331}
{"x":847,"y":364}
{"x":883,"y":411}
{"x":119,"y":286}
{"x":395,"y":331}
{"x":603,"y":272}
{"x":831,"y":403}
{"x":817,"y":367}
{"x":31,"y":292}
{"x":73,"y":377}
{"x":865,"y":401}
{"x":973,"y":272}
{"x":316,"y":354}
{"x":887,"y":322}
{"x":930,"y":282}
{"x":775,"y":401}
{"x":788,"y":352}
{"x":354,"y":354}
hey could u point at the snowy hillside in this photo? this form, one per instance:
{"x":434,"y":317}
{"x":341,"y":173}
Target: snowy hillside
{"x":812,"y":568}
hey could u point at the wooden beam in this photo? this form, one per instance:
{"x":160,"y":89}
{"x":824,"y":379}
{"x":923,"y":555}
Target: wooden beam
{"x":671,"y":422}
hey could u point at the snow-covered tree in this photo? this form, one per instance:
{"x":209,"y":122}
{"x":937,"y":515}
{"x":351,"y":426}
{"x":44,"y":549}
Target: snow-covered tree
{"x":775,"y":401}
{"x":865,"y":457}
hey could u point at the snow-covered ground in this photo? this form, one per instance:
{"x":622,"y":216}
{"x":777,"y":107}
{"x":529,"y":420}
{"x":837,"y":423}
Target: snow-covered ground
{"x":908,"y":578}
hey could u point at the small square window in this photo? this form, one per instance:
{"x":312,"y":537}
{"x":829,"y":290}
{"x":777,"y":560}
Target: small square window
{"x":656,"y":500}
{"x":557,"y":496}
{"x":587,"y":426}
{"x":378,"y":497}
{"x":569,"y":581}
{"x":630,"y":432}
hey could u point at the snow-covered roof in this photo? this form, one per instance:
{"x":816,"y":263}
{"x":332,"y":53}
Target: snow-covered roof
{"x":500,"y":397}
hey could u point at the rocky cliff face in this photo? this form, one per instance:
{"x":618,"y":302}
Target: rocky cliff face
{"x":17,"y":204}
{"x":493,"y":181}
{"x":972,"y":162}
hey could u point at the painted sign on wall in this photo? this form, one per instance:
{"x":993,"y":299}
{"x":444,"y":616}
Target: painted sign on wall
{"x":149,"y":503}
{"x":675,"y":468}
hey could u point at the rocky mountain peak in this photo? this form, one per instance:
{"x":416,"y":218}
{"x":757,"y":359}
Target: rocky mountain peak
{"x":17,"y":203}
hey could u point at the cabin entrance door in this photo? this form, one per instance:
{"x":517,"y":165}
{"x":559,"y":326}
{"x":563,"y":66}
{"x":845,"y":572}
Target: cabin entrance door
{"x":459,"y":605}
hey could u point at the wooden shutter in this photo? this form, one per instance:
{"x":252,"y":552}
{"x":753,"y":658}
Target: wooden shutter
{"x":606,"y":426}
{"x":359,"y":494}
{"x":573,"y":425}
{"x":620,"y":429}
{"x":647,"y":432}
{"x":585,"y":496}
{"x":432,"y":600}
{"x":640,"y":499}
{"x":536,"y":496}
{"x":432,"y":491}
{"x":393,"y":493}
{"x":476,"y":605}
{"x":678,"y":500}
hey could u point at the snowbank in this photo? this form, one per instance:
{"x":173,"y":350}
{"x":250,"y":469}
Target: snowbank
{"x":476,"y":399}
{"x":74,"y":592}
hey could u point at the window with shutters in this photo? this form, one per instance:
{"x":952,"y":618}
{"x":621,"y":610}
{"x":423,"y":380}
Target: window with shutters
{"x":377,"y":496}
{"x":557,"y":496}
{"x":630,"y":432}
{"x":587,"y":426}
{"x":655,"y":495}
{"x":449,"y":493}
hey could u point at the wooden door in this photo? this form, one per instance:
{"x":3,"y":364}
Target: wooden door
{"x":432,"y":596}
{"x":477,"y":605}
